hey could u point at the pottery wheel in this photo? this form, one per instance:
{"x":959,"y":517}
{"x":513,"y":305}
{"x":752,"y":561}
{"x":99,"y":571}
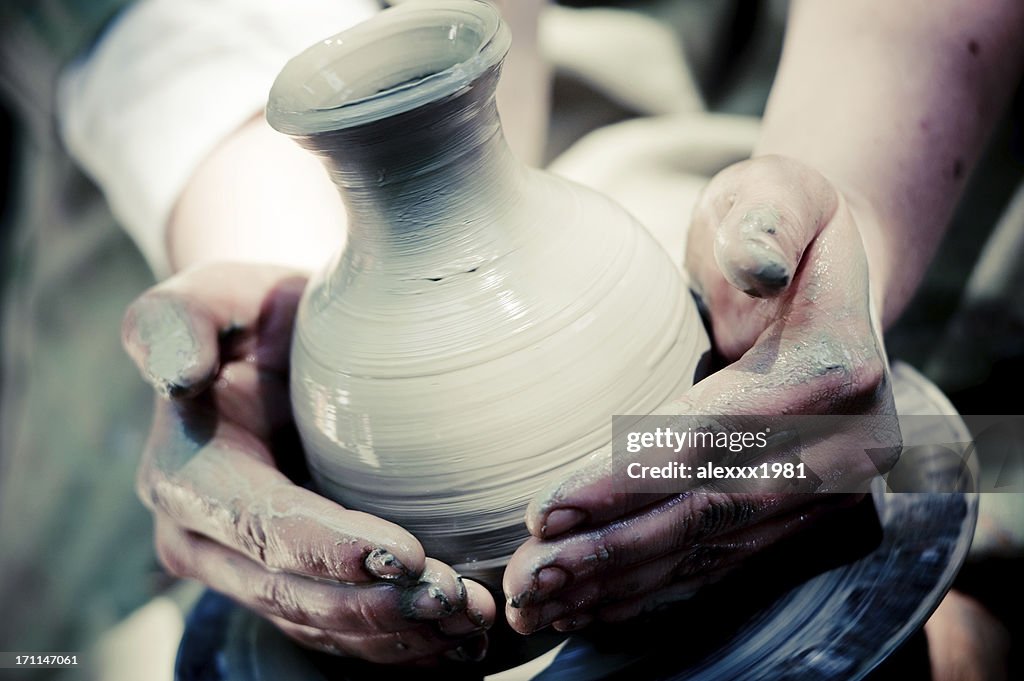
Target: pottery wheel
{"x":839,"y":623}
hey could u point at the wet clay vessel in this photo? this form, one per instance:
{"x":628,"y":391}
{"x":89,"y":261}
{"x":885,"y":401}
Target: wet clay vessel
{"x":484,"y":320}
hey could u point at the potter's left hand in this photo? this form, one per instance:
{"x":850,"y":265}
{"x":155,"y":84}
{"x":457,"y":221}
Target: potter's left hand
{"x":776,"y":253}
{"x":220,"y":473}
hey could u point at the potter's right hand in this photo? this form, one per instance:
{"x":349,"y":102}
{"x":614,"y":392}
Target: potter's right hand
{"x":214,"y":342}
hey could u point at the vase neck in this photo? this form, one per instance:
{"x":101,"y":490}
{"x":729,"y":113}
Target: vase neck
{"x":445,"y":164}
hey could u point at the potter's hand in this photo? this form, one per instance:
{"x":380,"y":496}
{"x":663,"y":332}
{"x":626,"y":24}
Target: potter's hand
{"x":775,"y":252}
{"x":214,"y":341}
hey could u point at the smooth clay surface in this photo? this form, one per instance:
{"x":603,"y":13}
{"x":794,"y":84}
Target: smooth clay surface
{"x":481,"y":327}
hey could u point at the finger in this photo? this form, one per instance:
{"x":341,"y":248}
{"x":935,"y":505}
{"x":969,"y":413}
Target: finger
{"x":584,"y":497}
{"x":538,"y":567}
{"x":224,"y":485}
{"x":684,"y":571}
{"x":173,"y":331}
{"x":822,"y":356}
{"x":776,"y":208}
{"x":757,"y":217}
{"x":836,"y":367}
{"x":377,"y":607}
{"x":441,"y":588}
{"x":601,"y":490}
{"x":477,"y":616}
{"x":574,"y":607}
{"x":775,"y":227}
{"x":732,"y":552}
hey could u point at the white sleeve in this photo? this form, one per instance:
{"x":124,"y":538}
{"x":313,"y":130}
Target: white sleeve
{"x":167,"y":82}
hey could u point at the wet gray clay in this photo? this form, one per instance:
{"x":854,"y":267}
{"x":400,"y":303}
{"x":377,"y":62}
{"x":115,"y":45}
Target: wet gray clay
{"x":484,"y":320}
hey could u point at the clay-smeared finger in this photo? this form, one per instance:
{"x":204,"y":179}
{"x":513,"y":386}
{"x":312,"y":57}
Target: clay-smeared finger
{"x":441,"y":592}
{"x":587,"y":595}
{"x":626,"y":588}
{"x":674,"y":524}
{"x":731,"y":553}
{"x":173,"y":332}
{"x":478,"y":615}
{"x":776,"y":208}
{"x":378,"y":606}
{"x":832,"y":366}
{"x":172,"y":342}
{"x":784,"y":242}
{"x":223,"y":484}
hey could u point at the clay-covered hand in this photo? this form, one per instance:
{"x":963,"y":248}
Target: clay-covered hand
{"x":777,"y":257}
{"x":214,"y":341}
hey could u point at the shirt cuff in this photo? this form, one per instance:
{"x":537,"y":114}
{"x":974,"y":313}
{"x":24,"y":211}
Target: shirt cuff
{"x":170,"y":80}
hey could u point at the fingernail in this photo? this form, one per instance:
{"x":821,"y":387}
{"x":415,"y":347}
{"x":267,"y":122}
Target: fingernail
{"x":561,"y":520}
{"x":757,"y":271}
{"x":755,"y":263}
{"x":771,"y":275}
{"x":382,"y":564}
{"x":760,"y":267}
{"x":548,"y":581}
{"x":426,"y":602}
{"x":472,"y":650}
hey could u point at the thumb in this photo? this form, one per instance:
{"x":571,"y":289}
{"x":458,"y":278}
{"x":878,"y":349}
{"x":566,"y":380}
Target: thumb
{"x":173,"y":342}
{"x":755,"y":228}
{"x":174,"y":331}
{"x":775,"y":208}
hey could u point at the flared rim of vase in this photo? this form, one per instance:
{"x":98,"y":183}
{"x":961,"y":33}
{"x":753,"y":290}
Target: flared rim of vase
{"x":353,"y":78}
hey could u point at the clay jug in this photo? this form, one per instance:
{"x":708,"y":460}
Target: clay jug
{"x":484,"y":320}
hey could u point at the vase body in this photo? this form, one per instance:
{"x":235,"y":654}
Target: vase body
{"x":484,"y":320}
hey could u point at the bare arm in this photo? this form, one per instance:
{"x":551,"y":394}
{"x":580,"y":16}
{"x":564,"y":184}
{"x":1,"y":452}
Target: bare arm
{"x":878,"y":113}
{"x":258,"y":197}
{"x":892,"y":101}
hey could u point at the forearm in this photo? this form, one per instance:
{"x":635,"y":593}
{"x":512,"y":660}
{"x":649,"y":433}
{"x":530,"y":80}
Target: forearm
{"x":258,"y":197}
{"x":892,"y":101}
{"x":171,"y":84}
